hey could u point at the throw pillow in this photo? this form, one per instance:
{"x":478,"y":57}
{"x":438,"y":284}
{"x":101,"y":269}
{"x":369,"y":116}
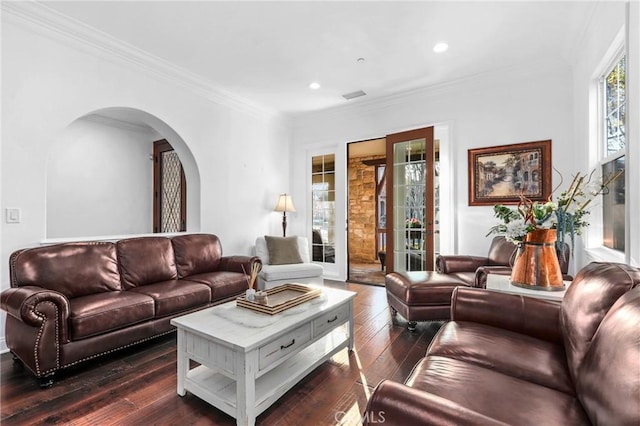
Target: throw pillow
{"x":283,"y":250}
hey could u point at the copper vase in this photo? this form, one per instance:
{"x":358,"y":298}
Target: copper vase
{"x":536,"y":266}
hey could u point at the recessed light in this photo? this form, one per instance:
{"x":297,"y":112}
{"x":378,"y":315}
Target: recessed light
{"x":314,"y":86}
{"x":440,"y":47}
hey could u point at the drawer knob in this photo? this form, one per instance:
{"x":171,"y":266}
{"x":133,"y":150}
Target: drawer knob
{"x":333,"y":319}
{"x":289,"y":345}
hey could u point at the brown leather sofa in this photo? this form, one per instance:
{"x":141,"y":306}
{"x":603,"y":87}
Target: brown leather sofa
{"x":473,"y":270}
{"x":511,"y":359}
{"x":72,"y":302}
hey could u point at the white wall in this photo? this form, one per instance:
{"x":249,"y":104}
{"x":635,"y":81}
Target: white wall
{"x":516,"y":106}
{"x":50,"y":79}
{"x":100,"y":180}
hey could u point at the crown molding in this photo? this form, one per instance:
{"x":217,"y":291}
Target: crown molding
{"x":40,"y":18}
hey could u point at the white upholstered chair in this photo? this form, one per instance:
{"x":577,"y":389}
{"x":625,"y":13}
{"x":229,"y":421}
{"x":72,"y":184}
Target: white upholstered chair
{"x":306,"y":272}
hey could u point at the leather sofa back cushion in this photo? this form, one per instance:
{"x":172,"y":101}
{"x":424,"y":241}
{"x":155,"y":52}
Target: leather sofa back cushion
{"x":197,"y":254}
{"x":73,"y":269}
{"x":594,"y":290}
{"x":608,"y":379}
{"x":146,"y":260}
{"x":500,"y":251}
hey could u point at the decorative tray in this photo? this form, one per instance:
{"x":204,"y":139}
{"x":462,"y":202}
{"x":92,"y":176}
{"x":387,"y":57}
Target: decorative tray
{"x":281,"y":298}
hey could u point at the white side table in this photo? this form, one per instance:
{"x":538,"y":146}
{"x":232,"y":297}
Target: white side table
{"x":502,"y":283}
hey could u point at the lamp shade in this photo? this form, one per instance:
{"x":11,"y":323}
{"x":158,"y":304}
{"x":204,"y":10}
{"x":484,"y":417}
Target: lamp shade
{"x":284,"y":204}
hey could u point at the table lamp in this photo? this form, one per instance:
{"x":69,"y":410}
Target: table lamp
{"x":284,"y":205}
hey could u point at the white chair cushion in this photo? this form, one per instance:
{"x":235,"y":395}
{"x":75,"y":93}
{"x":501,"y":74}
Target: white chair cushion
{"x":290,"y":272}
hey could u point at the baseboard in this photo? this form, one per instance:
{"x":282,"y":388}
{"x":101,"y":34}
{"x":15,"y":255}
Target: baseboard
{"x":3,"y":346}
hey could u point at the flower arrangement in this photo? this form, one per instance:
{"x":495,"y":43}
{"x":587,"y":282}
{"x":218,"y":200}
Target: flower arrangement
{"x":413,"y":223}
{"x":567,"y":215}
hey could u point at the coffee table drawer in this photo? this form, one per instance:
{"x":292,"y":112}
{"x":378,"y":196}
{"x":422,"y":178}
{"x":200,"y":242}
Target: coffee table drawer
{"x":330,"y":319}
{"x":284,"y":345}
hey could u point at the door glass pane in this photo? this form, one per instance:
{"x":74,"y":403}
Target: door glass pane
{"x":436,"y":206}
{"x":382,"y":207}
{"x":171,"y":170}
{"x":323,"y":196}
{"x":409,"y":170}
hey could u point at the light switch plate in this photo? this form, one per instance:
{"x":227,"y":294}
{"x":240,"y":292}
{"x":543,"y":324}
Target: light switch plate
{"x":13,"y":215}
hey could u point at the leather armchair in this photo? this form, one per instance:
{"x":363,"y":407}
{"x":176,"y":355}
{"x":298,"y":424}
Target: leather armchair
{"x":473,"y":270}
{"x":271,"y":275}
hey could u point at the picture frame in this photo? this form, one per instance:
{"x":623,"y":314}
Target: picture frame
{"x":501,"y":174}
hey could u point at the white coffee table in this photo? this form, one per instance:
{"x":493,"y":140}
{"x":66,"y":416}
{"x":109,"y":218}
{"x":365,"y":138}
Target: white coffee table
{"x":503,"y":284}
{"x":249,"y":360}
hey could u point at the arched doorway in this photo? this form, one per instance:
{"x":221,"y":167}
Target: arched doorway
{"x":100,"y":179}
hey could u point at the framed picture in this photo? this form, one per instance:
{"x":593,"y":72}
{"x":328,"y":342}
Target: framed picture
{"x":500,"y":174}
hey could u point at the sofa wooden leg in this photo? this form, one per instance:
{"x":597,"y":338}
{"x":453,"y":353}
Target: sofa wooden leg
{"x":46,"y":381}
{"x":17,"y":361}
{"x":394,"y":312}
{"x":412,"y":326}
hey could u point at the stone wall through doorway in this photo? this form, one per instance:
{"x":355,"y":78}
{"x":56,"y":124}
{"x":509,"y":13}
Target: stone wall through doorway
{"x":362,"y":210}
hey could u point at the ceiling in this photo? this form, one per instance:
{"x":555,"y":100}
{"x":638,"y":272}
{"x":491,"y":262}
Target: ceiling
{"x":267,"y":53}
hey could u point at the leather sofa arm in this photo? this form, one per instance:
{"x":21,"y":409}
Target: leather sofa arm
{"x":521,"y":314}
{"x":449,"y":264}
{"x":38,"y":318}
{"x":394,"y":404}
{"x":24,"y":304}
{"x":480,"y":280}
{"x":237,"y":263}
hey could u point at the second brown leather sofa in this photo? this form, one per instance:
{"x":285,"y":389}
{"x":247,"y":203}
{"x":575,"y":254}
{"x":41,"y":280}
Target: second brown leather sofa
{"x":512,"y":359}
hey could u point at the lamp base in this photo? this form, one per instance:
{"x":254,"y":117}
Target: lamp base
{"x":284,"y":224}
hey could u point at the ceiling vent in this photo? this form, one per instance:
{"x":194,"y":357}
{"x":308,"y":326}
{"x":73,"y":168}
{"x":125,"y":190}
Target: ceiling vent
{"x":352,"y":95}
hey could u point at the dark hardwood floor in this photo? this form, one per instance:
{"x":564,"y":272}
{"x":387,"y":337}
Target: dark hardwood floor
{"x":138,"y":386}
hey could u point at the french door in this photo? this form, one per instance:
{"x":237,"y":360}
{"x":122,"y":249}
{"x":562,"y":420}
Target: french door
{"x":411,"y":201}
{"x":323,"y":208}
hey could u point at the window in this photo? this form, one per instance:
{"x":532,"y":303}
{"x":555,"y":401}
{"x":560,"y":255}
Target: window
{"x":615,"y":108}
{"x":323,"y":195}
{"x":613,"y":133}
